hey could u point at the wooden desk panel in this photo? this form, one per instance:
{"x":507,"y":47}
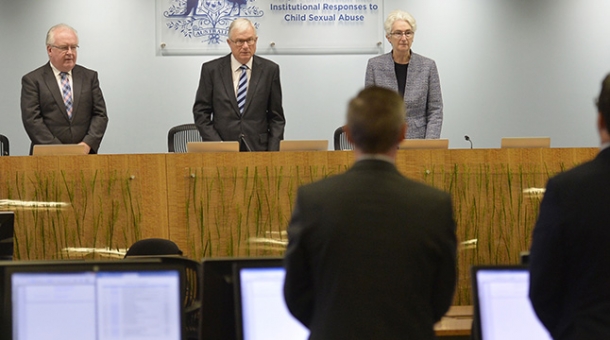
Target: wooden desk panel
{"x":238,"y":204}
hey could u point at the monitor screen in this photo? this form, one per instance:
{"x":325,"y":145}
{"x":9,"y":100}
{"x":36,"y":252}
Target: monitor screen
{"x":7,"y":225}
{"x":128,"y":300}
{"x":218,"y":302}
{"x":502,"y":305}
{"x":261,"y":311}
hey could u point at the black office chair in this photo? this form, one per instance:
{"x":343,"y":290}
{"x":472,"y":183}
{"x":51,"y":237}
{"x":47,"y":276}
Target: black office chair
{"x":168,"y":251}
{"x":4,"y":149}
{"x":179,"y":135}
{"x":341,"y":142}
{"x":153,"y":247}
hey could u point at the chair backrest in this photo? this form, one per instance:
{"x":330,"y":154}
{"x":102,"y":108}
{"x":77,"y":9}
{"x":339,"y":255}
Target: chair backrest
{"x":4,"y":149}
{"x":178,"y":136}
{"x":153,"y":247}
{"x":341,"y":142}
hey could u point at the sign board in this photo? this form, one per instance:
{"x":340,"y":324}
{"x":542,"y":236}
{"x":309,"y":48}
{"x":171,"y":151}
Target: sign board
{"x":283,"y":26}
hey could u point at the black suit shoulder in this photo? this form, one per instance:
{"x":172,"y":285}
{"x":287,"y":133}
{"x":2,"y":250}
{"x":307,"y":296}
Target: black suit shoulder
{"x":584,"y":170}
{"x":587,"y":177}
{"x":265,"y":62}
{"x":79,"y":68}
{"x":226,"y":62}
{"x":218,"y":61}
{"x":46,"y":68}
{"x":377,"y":170}
{"x":42,"y":69}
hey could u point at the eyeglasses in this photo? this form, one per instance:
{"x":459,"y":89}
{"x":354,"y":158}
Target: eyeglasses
{"x":240,"y":42}
{"x":66,"y":48}
{"x":398,"y":34}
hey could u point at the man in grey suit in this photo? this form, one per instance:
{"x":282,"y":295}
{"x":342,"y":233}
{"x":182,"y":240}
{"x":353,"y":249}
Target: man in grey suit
{"x":371,"y":253}
{"x":570,"y":259}
{"x":61,"y":102}
{"x":413,"y":76}
{"x":240,"y":96}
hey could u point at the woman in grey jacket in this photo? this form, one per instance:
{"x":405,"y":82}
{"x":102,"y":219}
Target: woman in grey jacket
{"x":421,"y":89}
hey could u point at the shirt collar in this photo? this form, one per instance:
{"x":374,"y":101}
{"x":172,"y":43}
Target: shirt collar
{"x":235,"y":65}
{"x":57,"y":72}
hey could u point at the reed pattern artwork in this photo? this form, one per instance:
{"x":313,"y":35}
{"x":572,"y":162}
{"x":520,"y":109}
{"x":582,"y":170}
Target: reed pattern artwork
{"x":242,"y":208}
{"x":234,"y":213}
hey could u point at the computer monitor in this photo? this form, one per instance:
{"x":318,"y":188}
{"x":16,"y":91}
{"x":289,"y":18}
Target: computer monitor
{"x":7,"y":228}
{"x":58,"y":149}
{"x":525,"y":142}
{"x":102,"y":300}
{"x":303,"y":145}
{"x":407,"y":144}
{"x":218,"y":302}
{"x":502,"y":308}
{"x":230,"y":146}
{"x":261,"y":312}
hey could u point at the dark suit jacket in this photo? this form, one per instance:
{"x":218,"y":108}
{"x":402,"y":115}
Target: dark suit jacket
{"x":570,"y":253}
{"x":44,"y":113}
{"x":371,"y":255}
{"x":216,"y":112}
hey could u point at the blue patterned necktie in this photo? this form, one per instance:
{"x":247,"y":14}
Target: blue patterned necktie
{"x":66,"y":92}
{"x":242,"y":88}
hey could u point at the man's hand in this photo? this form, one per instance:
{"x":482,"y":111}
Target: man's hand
{"x":87,"y":147}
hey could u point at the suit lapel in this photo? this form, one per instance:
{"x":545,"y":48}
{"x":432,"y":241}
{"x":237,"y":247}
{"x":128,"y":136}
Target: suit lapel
{"x":389,"y":66}
{"x":255,"y":77}
{"x":77,"y":85}
{"x":413,"y":73}
{"x":51,"y":82}
{"x":226,"y":74}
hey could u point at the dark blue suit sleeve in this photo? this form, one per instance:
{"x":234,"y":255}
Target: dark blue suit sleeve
{"x":298,"y":284}
{"x":545,"y":259}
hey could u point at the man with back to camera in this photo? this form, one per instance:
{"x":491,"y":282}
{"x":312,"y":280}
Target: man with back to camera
{"x":371,"y":253}
{"x":240,"y":96}
{"x":61,"y":102}
{"x":570,"y":254}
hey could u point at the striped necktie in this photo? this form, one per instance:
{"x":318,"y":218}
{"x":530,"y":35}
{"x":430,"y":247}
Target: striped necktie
{"x":242,"y":88}
{"x":66,"y":92}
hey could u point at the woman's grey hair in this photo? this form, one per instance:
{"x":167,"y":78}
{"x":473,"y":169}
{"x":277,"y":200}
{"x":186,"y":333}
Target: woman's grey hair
{"x":399,"y":15}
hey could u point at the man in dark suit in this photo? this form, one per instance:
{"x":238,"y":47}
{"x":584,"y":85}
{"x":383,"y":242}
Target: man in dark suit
{"x":570,"y":254}
{"x":371,"y":253}
{"x":225,"y":110}
{"x":61,"y":102}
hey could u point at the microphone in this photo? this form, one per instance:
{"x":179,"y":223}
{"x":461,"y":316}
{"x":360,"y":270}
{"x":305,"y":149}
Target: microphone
{"x":242,"y":138}
{"x":469,"y":140}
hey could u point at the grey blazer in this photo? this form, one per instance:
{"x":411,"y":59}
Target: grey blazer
{"x":44,"y":113}
{"x":216,"y":112}
{"x":423,"y":98}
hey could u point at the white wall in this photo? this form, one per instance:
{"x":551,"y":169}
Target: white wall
{"x":507,"y":67}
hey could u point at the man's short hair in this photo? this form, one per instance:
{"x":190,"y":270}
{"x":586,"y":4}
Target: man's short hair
{"x":242,"y":24}
{"x":603,"y":102}
{"x":51,"y":33}
{"x":375,"y":118}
